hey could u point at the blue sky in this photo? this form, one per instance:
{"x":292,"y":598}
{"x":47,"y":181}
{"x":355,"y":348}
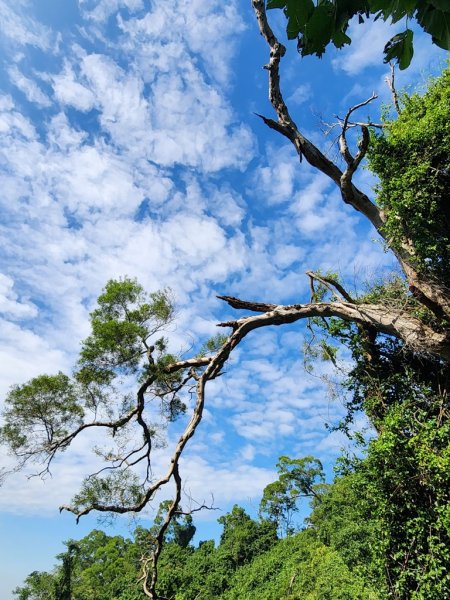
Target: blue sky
{"x":130,"y":147}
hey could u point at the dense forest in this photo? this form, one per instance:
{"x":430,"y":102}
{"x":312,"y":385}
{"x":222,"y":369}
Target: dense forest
{"x":381,"y":529}
{"x":332,"y":556}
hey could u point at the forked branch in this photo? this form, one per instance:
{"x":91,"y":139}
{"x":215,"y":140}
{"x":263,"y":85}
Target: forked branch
{"x":287,"y":127}
{"x":436,"y":298}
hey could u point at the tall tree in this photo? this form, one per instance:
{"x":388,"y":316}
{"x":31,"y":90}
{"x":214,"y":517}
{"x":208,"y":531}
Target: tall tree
{"x":398,"y":333}
{"x":298,"y":478}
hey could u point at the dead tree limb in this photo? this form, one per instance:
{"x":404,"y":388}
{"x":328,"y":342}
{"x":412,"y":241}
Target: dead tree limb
{"x":437,"y":298}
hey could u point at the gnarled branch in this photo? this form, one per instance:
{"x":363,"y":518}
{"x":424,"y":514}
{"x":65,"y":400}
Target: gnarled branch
{"x":438,"y":300}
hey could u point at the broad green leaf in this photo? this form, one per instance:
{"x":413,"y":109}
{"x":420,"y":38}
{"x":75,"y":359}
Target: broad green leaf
{"x":298,"y":13}
{"x":276,"y":3}
{"x":437,"y":24}
{"x":340,"y":39}
{"x":400,"y":47}
{"x":319,"y":30}
{"x":443,"y":5}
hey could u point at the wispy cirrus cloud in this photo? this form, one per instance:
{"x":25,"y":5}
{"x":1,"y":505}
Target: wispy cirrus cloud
{"x":18,"y":28}
{"x":29,"y":87}
{"x":137,"y":163}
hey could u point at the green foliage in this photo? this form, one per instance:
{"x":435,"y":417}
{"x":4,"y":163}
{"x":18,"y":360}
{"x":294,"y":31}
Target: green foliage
{"x":324,"y":562}
{"x":204,"y":573}
{"x":97,"y":567}
{"x":299,"y":568}
{"x":172,"y":569}
{"x":40,"y":412}
{"x":120,"y":487}
{"x":181,"y":529}
{"x":243,"y":538}
{"x":393,"y":525}
{"x":40,"y":415}
{"x":125,"y":319}
{"x":407,"y":477}
{"x":411,"y":159}
{"x":104,"y":567}
{"x":37,"y":586}
{"x":204,"y":576}
{"x":344,"y":520}
{"x":400,"y":48}
{"x":317,"y":24}
{"x":301,"y":477}
{"x":213,"y":344}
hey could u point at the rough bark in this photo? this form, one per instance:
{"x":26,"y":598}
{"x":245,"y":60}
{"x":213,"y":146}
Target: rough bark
{"x":437,"y":298}
{"x":371,"y":318}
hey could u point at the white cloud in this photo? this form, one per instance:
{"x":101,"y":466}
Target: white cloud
{"x":72,"y":93}
{"x":300,"y":95}
{"x":235,"y":482}
{"x":101,"y":10}
{"x":12,"y":123}
{"x":193,"y":126}
{"x":209,"y":30}
{"x":29,"y":87}
{"x":18,"y":27}
{"x":366,"y":49}
{"x":24,"y":354}
{"x":9,"y":303}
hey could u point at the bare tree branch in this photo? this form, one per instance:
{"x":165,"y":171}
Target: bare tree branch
{"x":287,"y":127}
{"x":391,"y":84}
{"x":438,"y":299}
{"x":150,"y":591}
{"x":334,"y":286}
{"x":370,"y":317}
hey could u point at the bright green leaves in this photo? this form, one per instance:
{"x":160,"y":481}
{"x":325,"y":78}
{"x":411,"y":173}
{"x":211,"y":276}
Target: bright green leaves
{"x":407,"y":477}
{"x":410,"y":158}
{"x":39,"y":585}
{"x":400,"y":48}
{"x":125,"y":319}
{"x":315,"y":25}
{"x":243,"y":538}
{"x":97,"y":567}
{"x":40,"y":413}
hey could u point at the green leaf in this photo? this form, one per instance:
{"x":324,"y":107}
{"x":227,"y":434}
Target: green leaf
{"x":319,"y":30}
{"x":393,"y":8}
{"x":400,"y":47}
{"x":276,"y":3}
{"x":298,"y":13}
{"x":340,"y":38}
{"x":437,"y":24}
{"x":441,"y":5}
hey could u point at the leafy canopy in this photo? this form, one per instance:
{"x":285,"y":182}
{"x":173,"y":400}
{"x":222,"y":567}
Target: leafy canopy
{"x":411,"y":159}
{"x":317,"y":24}
{"x":298,"y":477}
